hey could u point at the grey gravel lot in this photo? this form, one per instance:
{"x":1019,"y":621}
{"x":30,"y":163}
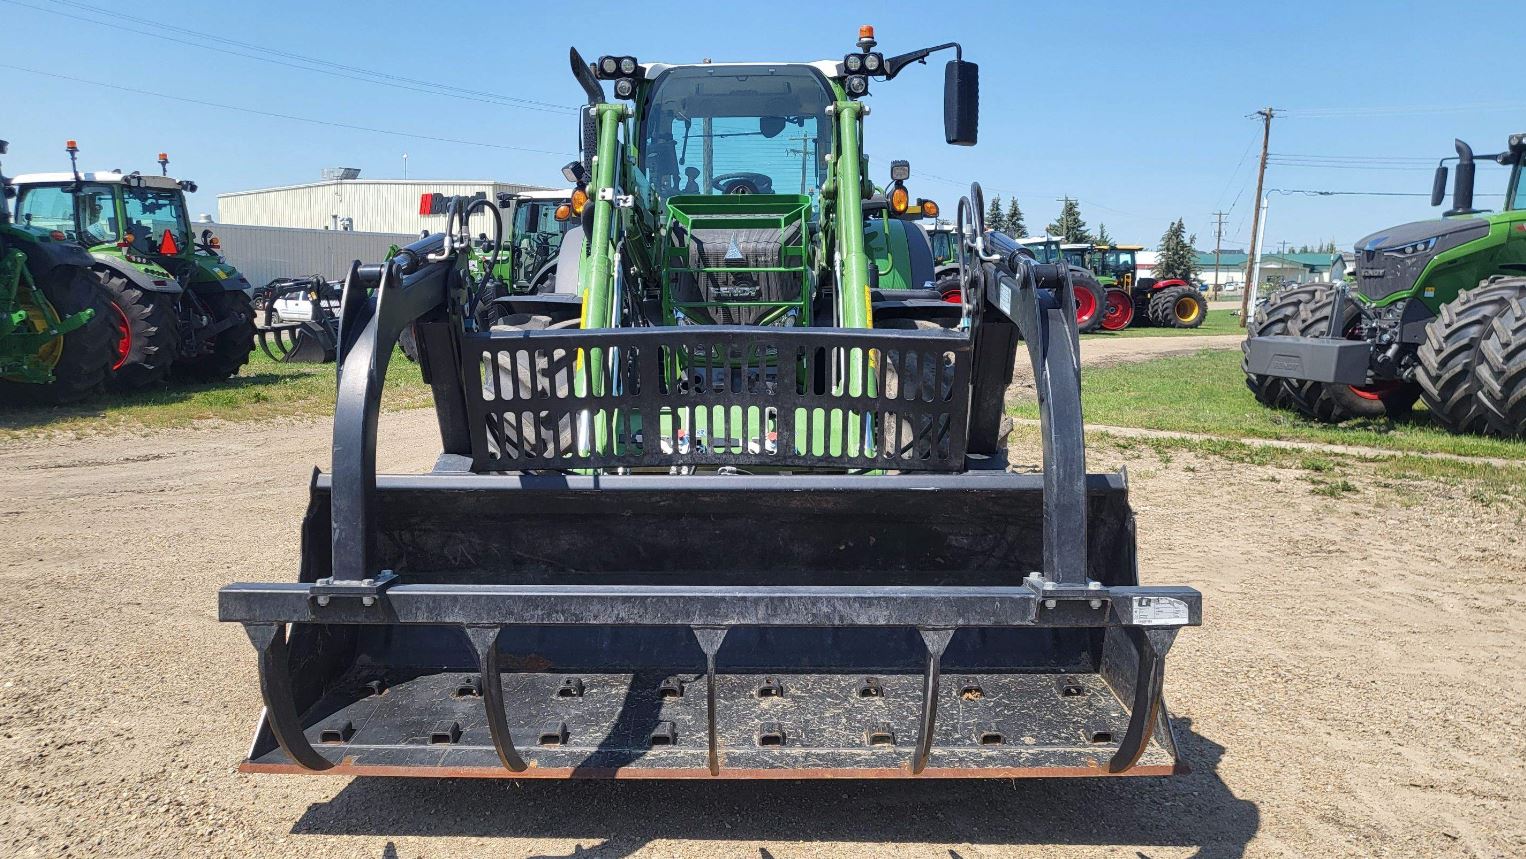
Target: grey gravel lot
{"x":1351,"y":693}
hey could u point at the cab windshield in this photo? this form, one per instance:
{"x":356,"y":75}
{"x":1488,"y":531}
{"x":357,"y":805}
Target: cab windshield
{"x":152,"y":212}
{"x":1518,"y":192}
{"x":736,"y":130}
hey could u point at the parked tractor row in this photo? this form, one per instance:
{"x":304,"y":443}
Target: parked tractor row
{"x":103,"y":283}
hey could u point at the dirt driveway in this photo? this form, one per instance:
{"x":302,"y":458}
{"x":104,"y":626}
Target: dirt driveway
{"x":1353,"y":692}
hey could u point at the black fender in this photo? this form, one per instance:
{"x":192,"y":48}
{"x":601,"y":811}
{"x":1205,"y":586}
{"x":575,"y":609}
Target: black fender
{"x":43,"y":257}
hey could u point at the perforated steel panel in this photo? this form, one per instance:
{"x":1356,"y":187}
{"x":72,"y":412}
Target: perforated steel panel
{"x":718,"y":395}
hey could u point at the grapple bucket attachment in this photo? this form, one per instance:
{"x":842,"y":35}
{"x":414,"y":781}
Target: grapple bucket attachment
{"x":311,"y":335}
{"x":595,"y":608}
{"x":694,"y":626}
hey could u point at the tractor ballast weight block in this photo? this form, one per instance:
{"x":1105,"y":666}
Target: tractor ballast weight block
{"x":1318,"y":359}
{"x":931,"y":622}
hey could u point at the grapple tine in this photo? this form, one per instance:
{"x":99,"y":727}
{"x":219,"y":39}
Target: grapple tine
{"x":937,"y":641}
{"x":710,"y":638}
{"x":269,"y":640}
{"x":1148,"y":684}
{"x":485,"y":640}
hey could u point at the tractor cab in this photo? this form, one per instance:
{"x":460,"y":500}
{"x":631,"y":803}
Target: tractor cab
{"x":139,"y":218}
{"x":1077,"y":254}
{"x":1115,"y":265}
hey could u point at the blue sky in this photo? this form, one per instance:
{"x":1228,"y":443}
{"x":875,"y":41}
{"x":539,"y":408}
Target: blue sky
{"x":1140,"y":111}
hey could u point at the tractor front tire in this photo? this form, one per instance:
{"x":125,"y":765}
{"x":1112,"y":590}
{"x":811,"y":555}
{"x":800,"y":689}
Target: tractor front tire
{"x":82,"y":361}
{"x":1117,"y":310}
{"x":147,"y":332}
{"x":1334,"y":403}
{"x":226,"y":352}
{"x":1178,"y":307}
{"x":1451,"y":354}
{"x":1501,"y":367}
{"x":1278,"y":316}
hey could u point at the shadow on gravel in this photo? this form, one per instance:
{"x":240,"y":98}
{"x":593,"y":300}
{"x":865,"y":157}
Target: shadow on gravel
{"x":608,"y":819}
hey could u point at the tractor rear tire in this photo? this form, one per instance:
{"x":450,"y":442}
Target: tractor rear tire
{"x":1278,"y":316}
{"x":84,"y":358}
{"x":147,"y":332}
{"x":1333,"y":403}
{"x":1452,"y":352}
{"x":1501,"y":368}
{"x":228,"y":350}
{"x":516,"y":374}
{"x":1091,"y":304}
{"x":1178,"y":307}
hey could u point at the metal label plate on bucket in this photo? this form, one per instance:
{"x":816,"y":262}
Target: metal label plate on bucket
{"x":1159,"y":611}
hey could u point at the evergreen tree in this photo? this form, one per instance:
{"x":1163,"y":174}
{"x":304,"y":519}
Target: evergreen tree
{"x":1069,"y":225}
{"x":1177,"y":258}
{"x":1102,"y":237}
{"x":1014,"y":225}
{"x":995,"y":220}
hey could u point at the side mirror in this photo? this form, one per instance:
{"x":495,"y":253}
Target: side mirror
{"x":5,"y":148}
{"x":1439,"y":185}
{"x":961,"y":102}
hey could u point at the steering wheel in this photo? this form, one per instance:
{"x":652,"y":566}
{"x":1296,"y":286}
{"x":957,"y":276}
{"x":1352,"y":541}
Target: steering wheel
{"x":739,"y":186}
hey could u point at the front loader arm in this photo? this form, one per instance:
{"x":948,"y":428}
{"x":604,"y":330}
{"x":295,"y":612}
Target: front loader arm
{"x":597,"y":269}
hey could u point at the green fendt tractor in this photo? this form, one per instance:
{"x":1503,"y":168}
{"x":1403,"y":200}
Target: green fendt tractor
{"x":55,"y":325}
{"x":1436,"y":311}
{"x":528,"y":259}
{"x":725,"y":503}
{"x":177,"y":303}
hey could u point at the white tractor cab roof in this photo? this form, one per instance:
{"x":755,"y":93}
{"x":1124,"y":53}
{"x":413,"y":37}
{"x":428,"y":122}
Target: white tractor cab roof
{"x":114,"y":177}
{"x":830,"y":68}
{"x":557,"y":196}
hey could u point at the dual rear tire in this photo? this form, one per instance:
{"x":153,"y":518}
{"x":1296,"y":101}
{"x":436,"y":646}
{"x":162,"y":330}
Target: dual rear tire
{"x":1471,"y":371}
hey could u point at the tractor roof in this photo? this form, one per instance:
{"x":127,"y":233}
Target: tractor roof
{"x":830,"y":68}
{"x":113,"y":177}
{"x":557,"y":195}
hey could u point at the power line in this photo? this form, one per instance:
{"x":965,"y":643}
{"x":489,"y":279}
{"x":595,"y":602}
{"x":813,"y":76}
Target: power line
{"x":1400,"y":110}
{"x":1316,"y":192}
{"x":303,"y":63}
{"x":269,"y":113}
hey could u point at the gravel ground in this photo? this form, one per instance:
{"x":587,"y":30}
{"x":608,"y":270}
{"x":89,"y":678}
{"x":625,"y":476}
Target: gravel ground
{"x":1350,"y":694}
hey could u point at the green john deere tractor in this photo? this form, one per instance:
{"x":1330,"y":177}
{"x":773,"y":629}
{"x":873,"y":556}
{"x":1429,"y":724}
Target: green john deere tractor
{"x":1093,"y":303}
{"x":730,"y":500}
{"x":55,"y":323}
{"x":175,"y":301}
{"x":1436,"y":312}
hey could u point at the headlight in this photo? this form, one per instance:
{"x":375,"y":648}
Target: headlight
{"x":854,"y":63}
{"x":1413,"y":248}
{"x":627,"y":65}
{"x":873,"y":63}
{"x":625,"y":88}
{"x":609,"y":66}
{"x":856,"y":85}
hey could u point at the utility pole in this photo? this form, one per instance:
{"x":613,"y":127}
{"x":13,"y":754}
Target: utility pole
{"x":1282,"y":247}
{"x":1218,"y":247}
{"x":1255,"y":227}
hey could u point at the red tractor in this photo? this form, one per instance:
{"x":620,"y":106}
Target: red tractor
{"x":1172,"y":302}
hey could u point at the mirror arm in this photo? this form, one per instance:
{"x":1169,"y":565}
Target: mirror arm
{"x":894,"y":65}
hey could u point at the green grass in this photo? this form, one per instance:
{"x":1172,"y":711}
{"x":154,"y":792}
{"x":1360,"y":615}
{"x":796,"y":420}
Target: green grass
{"x":263,"y":390}
{"x":1205,"y":393}
{"x":1404,"y":476}
{"x":1217,"y":322}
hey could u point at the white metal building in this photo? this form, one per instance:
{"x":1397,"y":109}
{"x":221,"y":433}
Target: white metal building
{"x":263,"y":254}
{"x":361,"y":205}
